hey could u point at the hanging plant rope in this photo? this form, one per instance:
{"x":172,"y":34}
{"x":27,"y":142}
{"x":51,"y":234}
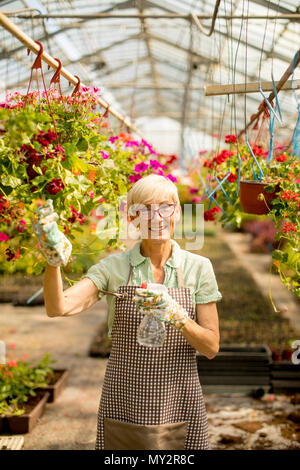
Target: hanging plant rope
{"x":296,"y":133}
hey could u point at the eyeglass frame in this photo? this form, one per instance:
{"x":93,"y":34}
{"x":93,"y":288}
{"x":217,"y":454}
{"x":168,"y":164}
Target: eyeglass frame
{"x":157,"y":210}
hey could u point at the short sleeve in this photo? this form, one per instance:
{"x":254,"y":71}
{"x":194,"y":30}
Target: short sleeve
{"x":207,"y":289}
{"x":99,"y":274}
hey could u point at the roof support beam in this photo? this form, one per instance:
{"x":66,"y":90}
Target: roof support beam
{"x":144,"y":29}
{"x":186,"y":94}
{"x":242,"y":88}
{"x":94,"y":16}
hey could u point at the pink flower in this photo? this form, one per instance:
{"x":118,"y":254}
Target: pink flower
{"x":196,"y":199}
{"x":22,"y":226}
{"x":141,"y":167}
{"x":3,"y":237}
{"x":297,"y":181}
{"x":113,"y":139}
{"x":104,"y":154}
{"x":193,"y":190}
{"x":132,"y":143}
{"x":172,"y":178}
{"x":134,"y":178}
{"x":92,"y":194}
{"x":155,"y":164}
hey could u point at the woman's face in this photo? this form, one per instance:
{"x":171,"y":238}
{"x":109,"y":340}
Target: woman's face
{"x":156,"y":220}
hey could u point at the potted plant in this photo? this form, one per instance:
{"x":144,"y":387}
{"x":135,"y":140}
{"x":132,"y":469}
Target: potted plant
{"x":20,"y":403}
{"x":279,"y":196}
{"x":66,"y":153}
{"x":255,"y":198}
{"x":56,"y":384}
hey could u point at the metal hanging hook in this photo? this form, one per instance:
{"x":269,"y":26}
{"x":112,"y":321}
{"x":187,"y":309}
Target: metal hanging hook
{"x":77,"y":87}
{"x":56,"y":76}
{"x":38,"y":61}
{"x":106,"y":112}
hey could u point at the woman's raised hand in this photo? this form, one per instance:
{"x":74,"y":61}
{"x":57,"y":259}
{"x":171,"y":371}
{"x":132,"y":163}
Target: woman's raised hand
{"x":53,"y":243}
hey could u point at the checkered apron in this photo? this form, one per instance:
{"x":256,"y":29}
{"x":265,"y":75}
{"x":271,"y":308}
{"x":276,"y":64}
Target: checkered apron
{"x":151,"y":386}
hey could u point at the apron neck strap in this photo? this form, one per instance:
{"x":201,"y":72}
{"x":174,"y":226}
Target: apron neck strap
{"x":130,"y":274}
{"x":179,"y":276}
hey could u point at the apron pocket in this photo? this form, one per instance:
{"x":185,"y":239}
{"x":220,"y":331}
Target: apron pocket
{"x":120,"y":435}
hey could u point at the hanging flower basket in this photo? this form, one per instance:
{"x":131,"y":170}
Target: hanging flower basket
{"x":251,"y":200}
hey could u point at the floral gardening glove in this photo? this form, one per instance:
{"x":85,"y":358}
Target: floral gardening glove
{"x":161,"y":306}
{"x":54,"y":245}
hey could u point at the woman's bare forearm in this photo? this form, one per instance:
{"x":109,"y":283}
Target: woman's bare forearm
{"x":76,"y":299}
{"x":202,"y":339}
{"x":53,"y":291}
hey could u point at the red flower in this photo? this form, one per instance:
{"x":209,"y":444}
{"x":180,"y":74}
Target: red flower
{"x":208,"y":163}
{"x":193,"y":190}
{"x":12,"y":363}
{"x":55,"y":186}
{"x":230,"y":139}
{"x":289,"y":227}
{"x":281,"y":158}
{"x":288,"y":195}
{"x":210,"y":214}
{"x":257,"y":150}
{"x":9,"y":254}
{"x":222,"y":156}
{"x":171,"y":159}
{"x":76,"y":216}
{"x":12,"y":346}
{"x":231,"y":178}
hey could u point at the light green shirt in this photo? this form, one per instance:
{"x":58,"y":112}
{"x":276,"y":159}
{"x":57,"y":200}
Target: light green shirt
{"x":111,"y":272}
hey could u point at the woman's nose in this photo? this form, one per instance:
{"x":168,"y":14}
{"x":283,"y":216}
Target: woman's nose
{"x":156,"y":217}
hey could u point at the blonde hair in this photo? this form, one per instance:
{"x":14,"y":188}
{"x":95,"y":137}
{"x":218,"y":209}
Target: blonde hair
{"x":152,"y":187}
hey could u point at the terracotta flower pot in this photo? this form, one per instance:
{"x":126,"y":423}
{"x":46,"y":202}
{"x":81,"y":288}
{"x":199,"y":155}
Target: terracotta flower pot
{"x":250,"y":202}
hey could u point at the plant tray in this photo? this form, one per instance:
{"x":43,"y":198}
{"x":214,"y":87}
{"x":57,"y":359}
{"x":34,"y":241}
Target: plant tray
{"x":58,"y":387}
{"x":11,"y":442}
{"x":25,"y":423}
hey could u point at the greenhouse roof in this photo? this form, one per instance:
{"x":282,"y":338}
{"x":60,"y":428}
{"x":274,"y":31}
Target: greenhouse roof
{"x":152,"y":59}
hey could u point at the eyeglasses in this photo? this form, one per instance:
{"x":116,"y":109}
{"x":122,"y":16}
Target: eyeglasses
{"x":164,"y":211}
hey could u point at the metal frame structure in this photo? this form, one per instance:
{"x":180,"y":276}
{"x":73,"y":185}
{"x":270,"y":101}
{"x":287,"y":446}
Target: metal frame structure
{"x":176,"y":66}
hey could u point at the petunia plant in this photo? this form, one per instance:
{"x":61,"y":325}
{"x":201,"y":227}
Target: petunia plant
{"x":61,"y":147}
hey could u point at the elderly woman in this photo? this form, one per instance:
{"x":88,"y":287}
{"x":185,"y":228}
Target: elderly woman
{"x":151,"y":397}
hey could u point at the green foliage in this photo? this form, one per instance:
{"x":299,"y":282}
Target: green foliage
{"x":19,"y":380}
{"x":71,"y":160}
{"x":281,"y":173}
